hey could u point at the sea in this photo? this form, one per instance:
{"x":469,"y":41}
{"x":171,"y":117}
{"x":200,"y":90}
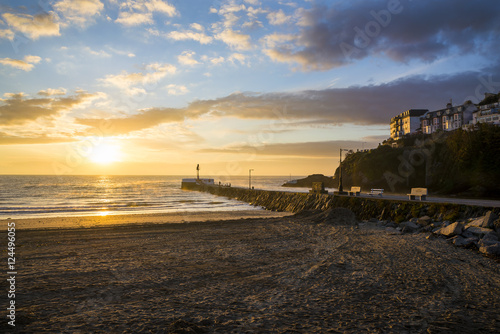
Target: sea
{"x":36,"y":196}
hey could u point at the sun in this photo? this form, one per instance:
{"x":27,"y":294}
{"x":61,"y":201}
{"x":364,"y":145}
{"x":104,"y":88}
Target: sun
{"x":105,"y":153}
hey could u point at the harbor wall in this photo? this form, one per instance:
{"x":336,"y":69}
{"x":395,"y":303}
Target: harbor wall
{"x":362,"y":207}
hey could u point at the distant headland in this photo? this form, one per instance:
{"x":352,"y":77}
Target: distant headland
{"x":307,"y":182}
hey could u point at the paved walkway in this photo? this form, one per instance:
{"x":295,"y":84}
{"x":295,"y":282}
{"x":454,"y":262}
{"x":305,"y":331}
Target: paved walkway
{"x":478,"y":202}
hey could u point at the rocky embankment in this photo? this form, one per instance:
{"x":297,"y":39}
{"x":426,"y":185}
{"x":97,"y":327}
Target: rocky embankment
{"x":363,"y":208}
{"x":463,"y":225}
{"x":481,"y":233}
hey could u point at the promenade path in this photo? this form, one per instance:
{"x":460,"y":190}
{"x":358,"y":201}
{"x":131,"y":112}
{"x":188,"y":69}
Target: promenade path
{"x":432,"y":199}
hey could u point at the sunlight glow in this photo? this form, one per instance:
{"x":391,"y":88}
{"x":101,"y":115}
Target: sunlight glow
{"x":105,"y":153}
{"x":104,"y":213}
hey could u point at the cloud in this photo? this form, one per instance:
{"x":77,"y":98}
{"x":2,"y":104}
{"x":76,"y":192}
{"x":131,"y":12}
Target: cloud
{"x":121,"y":52}
{"x":200,"y":37}
{"x":217,"y":60}
{"x":186,"y":58}
{"x":362,"y":105}
{"x":275,"y":39}
{"x":152,"y":73}
{"x":177,"y":89}
{"x":341,"y":33}
{"x":253,"y":2}
{"x":237,"y":57}
{"x":321,"y":149}
{"x":134,"y":13}
{"x":6,"y":139}
{"x":197,"y":26}
{"x":278,"y":18}
{"x":7,"y":34}
{"x":26,"y":65}
{"x":52,"y":92}
{"x":134,"y":19}
{"x":79,"y":12}
{"x":235,"y":40}
{"x":101,"y":53}
{"x":33,"y":27}
{"x":146,"y":118}
{"x":18,"y":109}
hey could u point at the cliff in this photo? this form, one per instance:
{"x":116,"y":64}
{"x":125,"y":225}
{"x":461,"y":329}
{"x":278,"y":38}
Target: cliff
{"x":461,"y":163}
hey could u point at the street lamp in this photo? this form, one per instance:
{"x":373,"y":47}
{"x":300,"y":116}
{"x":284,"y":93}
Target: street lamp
{"x":250,"y":178}
{"x":341,"y":188}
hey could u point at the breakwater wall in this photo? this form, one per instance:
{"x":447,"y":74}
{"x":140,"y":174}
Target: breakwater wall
{"x":362,"y":207}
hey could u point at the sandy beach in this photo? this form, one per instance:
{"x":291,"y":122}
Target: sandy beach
{"x":307,"y":273}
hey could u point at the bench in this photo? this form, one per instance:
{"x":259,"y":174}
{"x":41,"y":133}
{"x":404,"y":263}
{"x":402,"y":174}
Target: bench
{"x":355,"y":191}
{"x":418,"y":192}
{"x":376,"y":192}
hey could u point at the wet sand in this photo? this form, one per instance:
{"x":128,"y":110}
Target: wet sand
{"x":298,"y":274}
{"x":150,"y":218}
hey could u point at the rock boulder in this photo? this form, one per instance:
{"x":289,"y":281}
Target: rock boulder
{"x":485,"y":221}
{"x":493,"y":249}
{"x":478,"y":231}
{"x":451,"y":230}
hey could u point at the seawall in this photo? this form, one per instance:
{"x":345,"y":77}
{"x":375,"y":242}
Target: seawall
{"x":363,"y":208}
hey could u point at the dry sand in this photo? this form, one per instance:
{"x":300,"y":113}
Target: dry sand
{"x":298,"y":274}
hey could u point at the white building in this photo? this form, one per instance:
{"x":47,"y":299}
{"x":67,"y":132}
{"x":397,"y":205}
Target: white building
{"x":487,"y":114}
{"x":406,"y":123}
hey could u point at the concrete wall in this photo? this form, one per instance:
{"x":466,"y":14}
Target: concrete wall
{"x":363,"y":208}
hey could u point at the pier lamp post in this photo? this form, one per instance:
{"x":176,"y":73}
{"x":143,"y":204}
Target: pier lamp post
{"x":341,"y":187}
{"x":250,"y":178}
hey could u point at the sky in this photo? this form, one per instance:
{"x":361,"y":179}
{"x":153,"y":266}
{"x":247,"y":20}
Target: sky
{"x":156,"y":87}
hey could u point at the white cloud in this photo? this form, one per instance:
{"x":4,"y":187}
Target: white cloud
{"x":197,"y":26}
{"x":235,"y":40}
{"x":153,"y":32}
{"x":252,"y":25}
{"x":79,"y":12}
{"x":275,"y":39}
{"x":189,"y":34}
{"x":152,"y":73}
{"x":186,"y":58}
{"x":33,"y":27}
{"x":101,"y":53}
{"x":162,"y":7}
{"x":177,"y":89}
{"x":32,"y":59}
{"x":237,"y":57}
{"x":134,"y":19}
{"x":231,"y":7}
{"x":7,"y":34}
{"x":52,"y":92}
{"x":121,"y":52}
{"x":278,"y":18}
{"x":217,"y":61}
{"x":141,"y":12}
{"x":27,"y":64}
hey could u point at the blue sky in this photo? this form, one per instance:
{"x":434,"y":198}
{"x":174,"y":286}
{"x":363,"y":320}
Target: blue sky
{"x":278,"y":86}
